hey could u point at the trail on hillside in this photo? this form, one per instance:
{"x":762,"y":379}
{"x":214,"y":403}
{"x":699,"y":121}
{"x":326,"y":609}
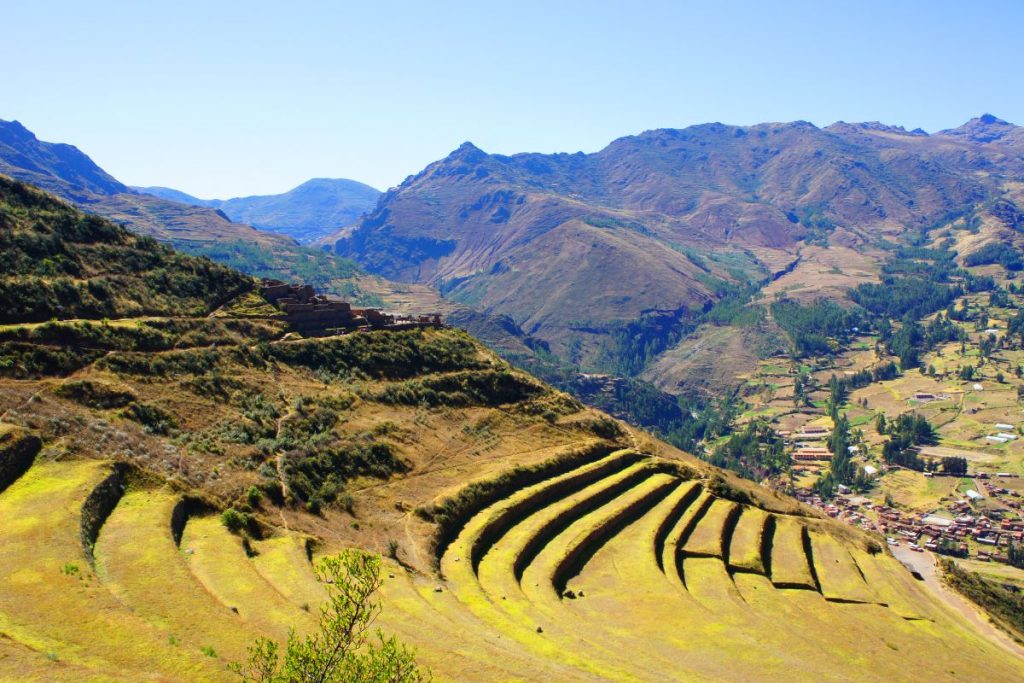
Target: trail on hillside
{"x":924,"y":564}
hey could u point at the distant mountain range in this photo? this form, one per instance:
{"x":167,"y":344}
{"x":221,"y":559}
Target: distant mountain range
{"x":70,"y":174}
{"x":574,"y":247}
{"x":306,"y":213}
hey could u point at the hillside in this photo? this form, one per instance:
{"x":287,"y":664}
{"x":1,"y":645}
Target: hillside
{"x":70,"y":174}
{"x":306,"y":213}
{"x":165,"y":485}
{"x":576,"y":247}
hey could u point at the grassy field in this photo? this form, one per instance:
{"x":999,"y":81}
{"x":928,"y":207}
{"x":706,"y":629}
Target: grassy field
{"x":561,"y":586}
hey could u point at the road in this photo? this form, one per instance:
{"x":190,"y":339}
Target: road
{"x":925,"y":564}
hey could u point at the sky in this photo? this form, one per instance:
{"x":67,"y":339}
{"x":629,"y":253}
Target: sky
{"x":223,"y":99}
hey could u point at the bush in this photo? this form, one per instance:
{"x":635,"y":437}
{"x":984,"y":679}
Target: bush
{"x":481,"y":388}
{"x":383,"y":354}
{"x":95,"y":394}
{"x":1006,"y":606}
{"x":254,"y":496}
{"x":234,"y":521}
{"x":154,"y":419}
{"x":59,"y":262}
{"x":341,"y":648}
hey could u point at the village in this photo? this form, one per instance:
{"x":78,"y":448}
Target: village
{"x":978,"y":522}
{"x":958,"y":529}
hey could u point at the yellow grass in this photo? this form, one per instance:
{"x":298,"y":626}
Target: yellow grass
{"x":50,"y":600}
{"x":745,"y":548}
{"x":708,"y":536}
{"x":137,"y":559}
{"x":218,"y":560}
{"x":790,"y":567}
{"x":284,"y":562}
{"x":129,"y":620}
{"x":838,"y":572}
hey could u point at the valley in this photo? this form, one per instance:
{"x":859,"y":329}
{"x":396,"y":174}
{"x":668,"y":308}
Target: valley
{"x":826,"y":391}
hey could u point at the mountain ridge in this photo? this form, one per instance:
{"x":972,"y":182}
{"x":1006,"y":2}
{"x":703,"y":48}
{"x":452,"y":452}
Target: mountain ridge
{"x":306,"y":212}
{"x":487,"y":229}
{"x":66,"y":171}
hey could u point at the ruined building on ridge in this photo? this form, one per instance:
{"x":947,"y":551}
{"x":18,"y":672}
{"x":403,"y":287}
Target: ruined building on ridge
{"x":315,"y":314}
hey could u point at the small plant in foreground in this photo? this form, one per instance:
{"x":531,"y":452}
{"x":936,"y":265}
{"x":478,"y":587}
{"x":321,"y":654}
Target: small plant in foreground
{"x":341,"y":649}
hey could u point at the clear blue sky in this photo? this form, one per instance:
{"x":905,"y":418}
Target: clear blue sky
{"x":227,"y":98}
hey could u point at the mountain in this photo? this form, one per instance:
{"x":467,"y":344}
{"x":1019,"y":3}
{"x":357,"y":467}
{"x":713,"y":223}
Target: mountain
{"x":575,"y":247}
{"x":308,"y":212}
{"x":173,"y":195}
{"x":70,"y":174}
{"x":201,"y":230}
{"x":176,"y":464}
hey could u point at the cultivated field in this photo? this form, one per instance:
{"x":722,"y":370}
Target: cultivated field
{"x":105,"y":576}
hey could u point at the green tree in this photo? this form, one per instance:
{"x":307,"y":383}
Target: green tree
{"x":341,"y":650}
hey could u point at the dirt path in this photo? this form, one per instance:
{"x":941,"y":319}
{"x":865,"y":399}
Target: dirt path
{"x":924,"y":563}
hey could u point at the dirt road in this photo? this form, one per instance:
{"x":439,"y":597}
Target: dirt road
{"x":925,"y":564}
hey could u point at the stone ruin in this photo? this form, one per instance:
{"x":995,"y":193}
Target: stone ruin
{"x":314,"y":314}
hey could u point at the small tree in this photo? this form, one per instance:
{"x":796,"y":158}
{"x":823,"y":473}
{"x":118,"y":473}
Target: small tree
{"x":341,"y":650}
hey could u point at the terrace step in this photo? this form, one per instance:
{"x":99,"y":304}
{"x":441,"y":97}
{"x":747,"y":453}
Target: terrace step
{"x":892,"y":584}
{"x":490,"y":524}
{"x":790,"y":566}
{"x":218,"y":560}
{"x":681,"y":500}
{"x":49,"y":599}
{"x":626,"y":566}
{"x":284,"y":562}
{"x":139,"y":562}
{"x":631,"y":557}
{"x":561,"y":559}
{"x":495,"y":592}
{"x":840,"y":577}
{"x":711,"y":536}
{"x":670,"y":556}
{"x":509,"y":555}
{"x":748,"y":539}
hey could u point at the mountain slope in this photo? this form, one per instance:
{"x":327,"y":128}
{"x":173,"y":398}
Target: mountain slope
{"x":73,"y":176}
{"x":306,"y":213}
{"x":56,"y":263}
{"x":528,"y":537}
{"x":70,"y":174}
{"x":574,"y":245}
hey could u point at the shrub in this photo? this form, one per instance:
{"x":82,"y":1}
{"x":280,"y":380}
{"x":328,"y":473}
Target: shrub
{"x":234,"y":521}
{"x":341,"y":649}
{"x":154,"y":419}
{"x":254,"y":496}
{"x":95,"y":394}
